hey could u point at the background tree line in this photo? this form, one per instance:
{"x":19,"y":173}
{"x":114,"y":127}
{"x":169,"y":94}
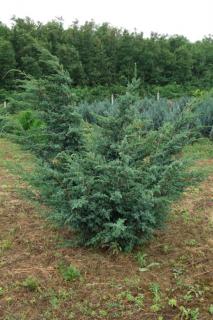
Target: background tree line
{"x":102,"y":55}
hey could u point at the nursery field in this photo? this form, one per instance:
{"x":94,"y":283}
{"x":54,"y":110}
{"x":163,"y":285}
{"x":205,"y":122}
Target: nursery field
{"x":43,"y":278}
{"x":106,"y":173}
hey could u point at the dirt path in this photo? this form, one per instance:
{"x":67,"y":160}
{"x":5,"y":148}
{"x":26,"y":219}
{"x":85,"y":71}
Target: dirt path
{"x":110,"y":287}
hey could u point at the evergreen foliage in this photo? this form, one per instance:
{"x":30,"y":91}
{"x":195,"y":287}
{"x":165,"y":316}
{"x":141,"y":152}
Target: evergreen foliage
{"x":48,"y":108}
{"x":111,"y":181}
{"x":205,"y":114}
{"x":119,"y":198}
{"x":100,"y":59}
{"x":109,"y":172}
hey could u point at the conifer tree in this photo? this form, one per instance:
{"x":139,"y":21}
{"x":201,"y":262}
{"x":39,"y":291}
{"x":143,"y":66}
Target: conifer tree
{"x":117,"y":193}
{"x":51,"y":98}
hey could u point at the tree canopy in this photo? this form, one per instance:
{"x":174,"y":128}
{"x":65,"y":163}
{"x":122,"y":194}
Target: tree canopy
{"x":104,"y":55}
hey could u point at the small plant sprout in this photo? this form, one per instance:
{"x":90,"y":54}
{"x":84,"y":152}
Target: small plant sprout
{"x":155,"y":289}
{"x":211,"y":309}
{"x":1,"y":291}
{"x":5,"y":245}
{"x":31,"y":283}
{"x":189,"y":314}
{"x":186,"y":216}
{"x":69,"y":273}
{"x":166,"y":248}
{"x":143,"y":263}
{"x":172,"y":302}
{"x":141,"y":259}
{"x":191,"y":242}
{"x":137,"y":300}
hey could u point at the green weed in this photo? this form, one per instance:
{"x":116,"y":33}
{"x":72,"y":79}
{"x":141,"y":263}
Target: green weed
{"x":141,"y":259}
{"x":189,"y":314}
{"x":1,"y":291}
{"x":5,"y":245}
{"x":69,"y":273}
{"x":166,"y":248}
{"x":186,"y":216}
{"x":156,"y":292}
{"x":211,"y":309}
{"x":172,"y":302}
{"x":31,"y":283}
{"x":191,"y":242}
{"x":137,"y":300}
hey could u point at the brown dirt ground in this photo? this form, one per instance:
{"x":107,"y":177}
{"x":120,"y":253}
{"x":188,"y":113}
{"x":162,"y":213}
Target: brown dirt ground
{"x":110,"y":286}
